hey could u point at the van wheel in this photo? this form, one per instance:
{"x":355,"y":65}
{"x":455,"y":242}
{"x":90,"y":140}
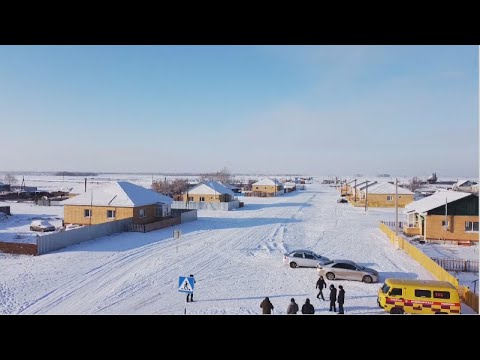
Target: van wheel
{"x":330,"y":276}
{"x":293,"y":265}
{"x":396,"y":310}
{"x":367,"y":279}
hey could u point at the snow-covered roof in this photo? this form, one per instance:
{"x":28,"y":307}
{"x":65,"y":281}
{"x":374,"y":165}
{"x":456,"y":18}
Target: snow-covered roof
{"x":119,"y":193}
{"x":387,"y":188}
{"x":230,"y":186}
{"x":210,"y":188}
{"x":364,"y":186}
{"x":351,"y":181}
{"x":289,"y":184}
{"x":462,"y":182}
{"x":267,"y":181}
{"x":435,"y":200}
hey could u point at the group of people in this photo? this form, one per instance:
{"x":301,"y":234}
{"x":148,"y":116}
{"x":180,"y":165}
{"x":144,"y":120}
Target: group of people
{"x":307,"y":308}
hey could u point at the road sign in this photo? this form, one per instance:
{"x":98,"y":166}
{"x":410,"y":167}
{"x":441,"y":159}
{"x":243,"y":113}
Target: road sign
{"x":186,"y":284}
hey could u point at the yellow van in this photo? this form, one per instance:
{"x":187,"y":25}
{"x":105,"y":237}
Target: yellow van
{"x":398,"y":296}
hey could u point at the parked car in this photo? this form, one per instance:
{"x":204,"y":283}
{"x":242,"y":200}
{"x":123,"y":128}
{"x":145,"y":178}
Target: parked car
{"x":41,"y":225}
{"x":304,"y":258}
{"x":342,"y":200}
{"x":347,"y":270}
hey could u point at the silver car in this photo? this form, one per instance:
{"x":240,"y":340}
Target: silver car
{"x":347,"y":270}
{"x":304,"y":258}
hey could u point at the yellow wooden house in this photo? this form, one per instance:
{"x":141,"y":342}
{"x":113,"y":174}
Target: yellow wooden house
{"x":116,"y":201}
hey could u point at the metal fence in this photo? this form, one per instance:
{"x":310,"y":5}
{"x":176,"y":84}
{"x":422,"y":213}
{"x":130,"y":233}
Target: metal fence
{"x":458,"y":265}
{"x":52,"y":242}
{"x":225,"y":206}
{"x":391,"y":224}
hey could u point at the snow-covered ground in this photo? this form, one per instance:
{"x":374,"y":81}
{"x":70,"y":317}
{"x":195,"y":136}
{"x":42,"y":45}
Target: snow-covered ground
{"x":236,"y":258}
{"x":16,"y":228}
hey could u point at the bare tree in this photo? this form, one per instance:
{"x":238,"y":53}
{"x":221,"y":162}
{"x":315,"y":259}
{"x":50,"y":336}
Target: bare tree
{"x":414,"y":184}
{"x":175,"y":187}
{"x":224,"y":176}
{"x":10,"y":179}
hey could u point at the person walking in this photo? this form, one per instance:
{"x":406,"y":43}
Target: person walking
{"x":191,"y":294}
{"x":333,"y":298}
{"x":308,"y":308}
{"x":321,"y":284}
{"x":266,"y":306}
{"x":292,"y":307}
{"x":341,"y":299}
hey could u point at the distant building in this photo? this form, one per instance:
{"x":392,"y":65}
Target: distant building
{"x":116,"y":201}
{"x":383,"y":195}
{"x":445,"y":215}
{"x":268,"y":187}
{"x":4,"y":187}
{"x":466,"y":186}
{"x":208,"y":195}
{"x":209,"y":191}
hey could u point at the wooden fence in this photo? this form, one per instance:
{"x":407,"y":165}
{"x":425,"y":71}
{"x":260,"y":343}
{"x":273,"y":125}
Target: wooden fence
{"x":156,"y":225}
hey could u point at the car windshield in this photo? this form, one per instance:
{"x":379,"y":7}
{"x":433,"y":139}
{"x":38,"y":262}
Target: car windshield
{"x":385,"y":288}
{"x":361,"y":267}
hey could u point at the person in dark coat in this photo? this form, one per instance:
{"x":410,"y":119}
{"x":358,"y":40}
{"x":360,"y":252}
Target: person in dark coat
{"x":341,"y":299}
{"x":292,"y":307}
{"x":333,"y":298}
{"x":191,"y":294}
{"x":321,"y":284}
{"x":266,"y":306}
{"x":308,"y":308}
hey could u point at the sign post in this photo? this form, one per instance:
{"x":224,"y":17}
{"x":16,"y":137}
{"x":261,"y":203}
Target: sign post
{"x":186,"y":284}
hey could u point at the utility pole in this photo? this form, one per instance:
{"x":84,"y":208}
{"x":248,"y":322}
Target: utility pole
{"x":366,"y":195}
{"x":396,"y":207}
{"x":355,"y":188}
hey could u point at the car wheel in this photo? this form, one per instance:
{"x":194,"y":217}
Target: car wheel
{"x":293,"y":265}
{"x":330,"y":276}
{"x":367,"y":279}
{"x":396,"y":310}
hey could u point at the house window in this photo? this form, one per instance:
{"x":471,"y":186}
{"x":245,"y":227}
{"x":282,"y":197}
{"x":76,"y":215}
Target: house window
{"x":447,"y":223}
{"x":142,"y":213}
{"x":158,"y":211}
{"x":87,"y":213}
{"x":471,"y":226}
{"x":399,"y":196}
{"x":256,"y":187}
{"x":190,"y":198}
{"x":389,"y":198}
{"x":110,"y":214}
{"x":202,"y":198}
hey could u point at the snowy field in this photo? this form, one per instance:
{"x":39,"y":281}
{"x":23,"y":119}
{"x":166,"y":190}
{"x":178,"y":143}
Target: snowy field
{"x":236,"y":257}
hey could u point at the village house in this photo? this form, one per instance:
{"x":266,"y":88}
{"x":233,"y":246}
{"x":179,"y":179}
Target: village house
{"x":116,"y":201}
{"x":466,"y":186}
{"x":267,"y":187}
{"x":210,"y":195}
{"x":445,"y":215}
{"x":383,"y":195}
{"x":355,"y":196}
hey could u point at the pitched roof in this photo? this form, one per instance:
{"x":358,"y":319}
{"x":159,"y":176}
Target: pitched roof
{"x":210,"y":188}
{"x":267,"y":181}
{"x":387,"y":188}
{"x":435,"y":200}
{"x":462,"y":182}
{"x":364,"y":186}
{"x":120,"y":194}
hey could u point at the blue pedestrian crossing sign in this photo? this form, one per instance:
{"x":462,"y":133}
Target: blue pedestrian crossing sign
{"x":186,"y":284}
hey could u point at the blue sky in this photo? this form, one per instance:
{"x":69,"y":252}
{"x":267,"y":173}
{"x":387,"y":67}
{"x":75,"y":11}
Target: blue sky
{"x":403,"y":110}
